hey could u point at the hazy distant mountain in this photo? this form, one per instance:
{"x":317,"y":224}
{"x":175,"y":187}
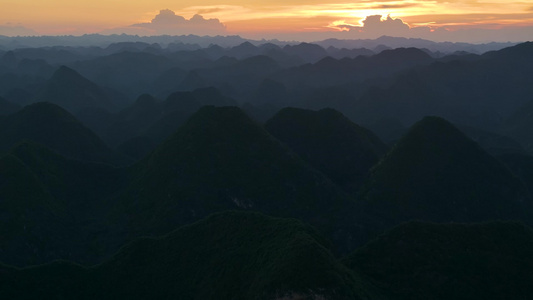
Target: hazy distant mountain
{"x":479,"y":93}
{"x":131,"y":73}
{"x":52,"y":126}
{"x":350,"y":53}
{"x":150,"y":117}
{"x":226,"y":256}
{"x":220,"y":159}
{"x":332,"y":72}
{"x":241,"y":77}
{"x":310,"y":53}
{"x":399,"y":42}
{"x":330,"y":142}
{"x":436,"y":173}
{"x":68,"y":89}
{"x":450,"y":261}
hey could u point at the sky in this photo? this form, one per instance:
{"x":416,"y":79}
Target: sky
{"x":440,"y":20}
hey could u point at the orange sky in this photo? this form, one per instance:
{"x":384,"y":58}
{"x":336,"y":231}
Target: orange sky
{"x":264,"y":16}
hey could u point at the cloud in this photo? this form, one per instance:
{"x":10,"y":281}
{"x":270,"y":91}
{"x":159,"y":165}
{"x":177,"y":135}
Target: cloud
{"x":375,"y":26}
{"x":16,"y":30}
{"x":390,"y":26}
{"x":167,"y":22}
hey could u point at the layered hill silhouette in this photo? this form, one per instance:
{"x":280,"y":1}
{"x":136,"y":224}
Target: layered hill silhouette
{"x":450,"y":261}
{"x":54,"y":127}
{"x":480,"y":92}
{"x":436,"y":173}
{"x":149,"y":118}
{"x":519,"y":125}
{"x":231,"y":255}
{"x":7,"y":108}
{"x":70,"y":90}
{"x":333,"y":72}
{"x":329,"y":142}
{"x":220,"y":159}
{"x":51,"y":206}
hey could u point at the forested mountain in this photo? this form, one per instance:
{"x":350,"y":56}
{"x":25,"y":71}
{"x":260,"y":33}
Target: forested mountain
{"x":238,"y":169}
{"x":436,"y":173}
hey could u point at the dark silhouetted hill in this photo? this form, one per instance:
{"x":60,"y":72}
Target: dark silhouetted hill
{"x":54,"y":127}
{"x":519,"y":126}
{"x":68,"y":89}
{"x":450,"y":261}
{"x":7,"y":108}
{"x":479,"y":93}
{"x":150,"y":117}
{"x":436,"y":173}
{"x":232,"y":255}
{"x":330,"y":142}
{"x":220,"y":159}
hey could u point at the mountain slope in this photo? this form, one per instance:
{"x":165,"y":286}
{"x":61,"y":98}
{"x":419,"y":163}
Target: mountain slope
{"x":52,"y":126}
{"x":330,"y":142}
{"x":436,"y":173}
{"x":450,"y":261}
{"x":68,"y":89}
{"x":231,"y":255}
{"x":221,"y":159}
{"x":52,"y":207}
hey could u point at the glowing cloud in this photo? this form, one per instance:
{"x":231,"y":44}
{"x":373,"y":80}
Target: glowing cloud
{"x":167,"y":22}
{"x":374,"y":25}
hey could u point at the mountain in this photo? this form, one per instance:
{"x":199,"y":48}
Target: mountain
{"x":7,"y":108}
{"x":399,"y":42}
{"x":480,"y":92}
{"x":220,"y":159}
{"x":310,"y":53}
{"x":436,"y":173}
{"x":521,"y":165}
{"x":329,"y":142}
{"x":450,"y":261}
{"x":150,"y":117}
{"x":237,"y":78}
{"x":131,"y":73}
{"x":50,"y":206}
{"x":336,"y":72}
{"x":519,"y":126}
{"x":50,"y":125}
{"x":232,"y":255}
{"x":25,"y":205}
{"x":68,"y":89}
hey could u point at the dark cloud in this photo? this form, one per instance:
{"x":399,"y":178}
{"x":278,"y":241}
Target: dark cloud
{"x":167,"y":22}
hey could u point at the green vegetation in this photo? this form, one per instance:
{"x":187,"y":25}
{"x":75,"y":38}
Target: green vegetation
{"x":220,"y":159}
{"x":232,"y":255}
{"x":54,"y":127}
{"x":450,"y":261}
{"x":330,"y":142}
{"x":436,"y":173}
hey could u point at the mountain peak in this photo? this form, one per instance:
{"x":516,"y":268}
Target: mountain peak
{"x":437,"y":173}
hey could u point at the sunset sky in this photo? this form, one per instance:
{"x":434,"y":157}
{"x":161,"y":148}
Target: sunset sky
{"x":481,"y":19}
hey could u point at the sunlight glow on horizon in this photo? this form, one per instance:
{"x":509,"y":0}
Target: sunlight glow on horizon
{"x":66,"y":17}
